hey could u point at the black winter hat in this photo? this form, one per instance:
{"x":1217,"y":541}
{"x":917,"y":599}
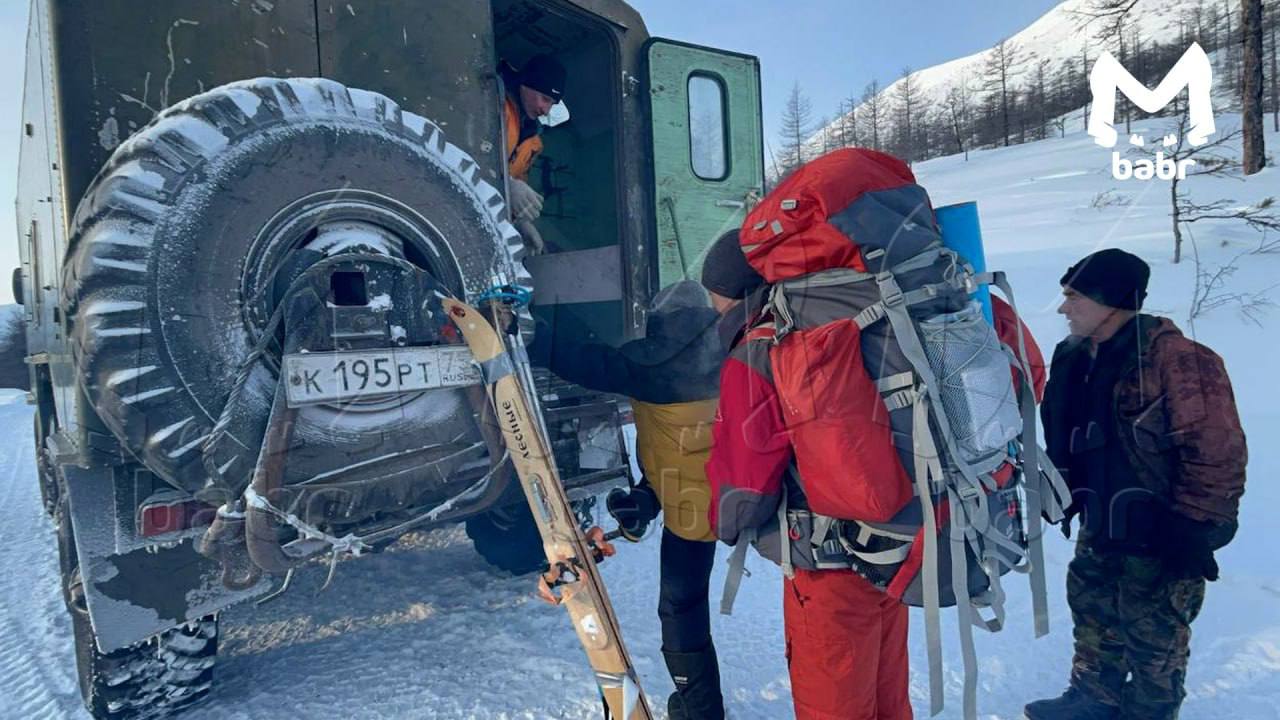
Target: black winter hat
{"x":544,"y":74}
{"x":1112,"y":277}
{"x":725,"y":270}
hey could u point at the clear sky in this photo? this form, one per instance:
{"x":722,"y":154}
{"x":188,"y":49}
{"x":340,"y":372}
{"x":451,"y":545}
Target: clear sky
{"x":832,"y":47}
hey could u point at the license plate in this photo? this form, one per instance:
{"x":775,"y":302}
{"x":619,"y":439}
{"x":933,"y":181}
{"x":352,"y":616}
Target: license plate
{"x":340,"y":376}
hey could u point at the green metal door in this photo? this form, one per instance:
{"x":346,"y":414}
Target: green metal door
{"x":708,"y":159}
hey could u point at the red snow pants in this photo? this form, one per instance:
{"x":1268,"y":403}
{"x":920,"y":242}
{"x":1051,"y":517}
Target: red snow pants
{"x":846,"y":648}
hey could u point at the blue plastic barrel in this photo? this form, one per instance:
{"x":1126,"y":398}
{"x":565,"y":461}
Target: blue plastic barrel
{"x":962,"y":232}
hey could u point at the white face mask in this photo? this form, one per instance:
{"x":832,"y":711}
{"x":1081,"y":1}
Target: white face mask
{"x":557,"y":115}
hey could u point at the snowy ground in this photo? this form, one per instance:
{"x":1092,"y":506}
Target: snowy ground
{"x":425,"y":630}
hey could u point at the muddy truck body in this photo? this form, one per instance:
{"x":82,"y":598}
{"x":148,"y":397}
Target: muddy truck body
{"x":237,"y":220}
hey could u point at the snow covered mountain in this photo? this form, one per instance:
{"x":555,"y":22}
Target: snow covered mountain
{"x":1057,"y":37}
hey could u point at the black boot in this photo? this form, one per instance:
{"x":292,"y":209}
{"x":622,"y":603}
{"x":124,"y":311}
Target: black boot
{"x":1074,"y":704}
{"x":697,"y":678}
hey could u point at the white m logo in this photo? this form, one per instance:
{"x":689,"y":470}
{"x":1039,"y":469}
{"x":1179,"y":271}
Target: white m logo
{"x":1192,"y":71}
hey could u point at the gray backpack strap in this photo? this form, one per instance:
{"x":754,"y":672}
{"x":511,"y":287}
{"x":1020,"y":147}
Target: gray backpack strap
{"x":822,"y":525}
{"x":967,"y":617}
{"x":1057,"y":495}
{"x":1036,"y":488}
{"x":995,"y":595}
{"x":832,"y":277}
{"x":929,"y":468}
{"x":965,"y":493}
{"x":892,"y":556}
{"x":784,"y":542}
{"x":904,"y":331}
{"x":737,"y":568}
{"x":778,"y":306}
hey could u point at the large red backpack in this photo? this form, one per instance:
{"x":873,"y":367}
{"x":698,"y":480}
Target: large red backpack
{"x":912,"y":426}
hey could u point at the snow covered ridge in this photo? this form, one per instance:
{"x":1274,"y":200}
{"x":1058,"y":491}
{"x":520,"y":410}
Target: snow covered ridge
{"x":1047,"y":78}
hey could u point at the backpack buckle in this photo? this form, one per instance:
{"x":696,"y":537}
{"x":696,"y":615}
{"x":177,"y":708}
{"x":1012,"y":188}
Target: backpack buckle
{"x":890,"y":294}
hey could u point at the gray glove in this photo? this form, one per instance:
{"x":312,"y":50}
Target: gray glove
{"x":533,"y":243}
{"x":526,"y":203}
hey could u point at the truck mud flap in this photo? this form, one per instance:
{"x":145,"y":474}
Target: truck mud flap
{"x":144,"y":591}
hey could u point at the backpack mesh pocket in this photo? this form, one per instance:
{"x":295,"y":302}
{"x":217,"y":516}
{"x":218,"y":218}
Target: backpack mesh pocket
{"x":972,"y":372}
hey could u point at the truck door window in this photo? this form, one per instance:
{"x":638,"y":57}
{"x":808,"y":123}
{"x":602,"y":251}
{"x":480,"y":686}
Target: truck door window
{"x":707,"y":133}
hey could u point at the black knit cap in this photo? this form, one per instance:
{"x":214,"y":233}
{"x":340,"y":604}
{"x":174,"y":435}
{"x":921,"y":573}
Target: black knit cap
{"x":544,"y":74}
{"x":725,"y":270}
{"x":1112,"y":277}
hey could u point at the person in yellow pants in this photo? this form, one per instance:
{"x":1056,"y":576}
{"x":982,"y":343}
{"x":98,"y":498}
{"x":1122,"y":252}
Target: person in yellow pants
{"x":671,"y":376}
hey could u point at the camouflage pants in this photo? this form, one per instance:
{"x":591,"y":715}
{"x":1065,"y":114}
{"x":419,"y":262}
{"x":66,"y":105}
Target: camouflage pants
{"x":1132,"y":631}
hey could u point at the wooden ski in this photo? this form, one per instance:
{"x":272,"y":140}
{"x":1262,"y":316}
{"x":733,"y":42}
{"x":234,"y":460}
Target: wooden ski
{"x":573,"y":579}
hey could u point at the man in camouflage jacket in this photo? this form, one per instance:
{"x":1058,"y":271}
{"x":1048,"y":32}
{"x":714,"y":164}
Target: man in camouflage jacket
{"x":1142,"y":422}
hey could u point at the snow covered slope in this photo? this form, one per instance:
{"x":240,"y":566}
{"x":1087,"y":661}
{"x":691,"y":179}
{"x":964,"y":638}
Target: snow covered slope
{"x":1055,"y":37}
{"x":426,"y":630}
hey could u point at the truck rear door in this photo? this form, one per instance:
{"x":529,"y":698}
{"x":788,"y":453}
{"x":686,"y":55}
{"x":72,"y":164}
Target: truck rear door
{"x":708,"y":159}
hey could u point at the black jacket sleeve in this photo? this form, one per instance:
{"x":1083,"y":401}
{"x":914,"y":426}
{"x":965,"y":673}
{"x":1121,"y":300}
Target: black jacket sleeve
{"x":678,"y":361}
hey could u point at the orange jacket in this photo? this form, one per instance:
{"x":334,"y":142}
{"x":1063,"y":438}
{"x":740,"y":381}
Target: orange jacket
{"x":521,"y":154}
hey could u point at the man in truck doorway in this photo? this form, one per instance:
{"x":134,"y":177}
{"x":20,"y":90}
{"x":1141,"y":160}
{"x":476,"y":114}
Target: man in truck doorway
{"x":531,"y":92}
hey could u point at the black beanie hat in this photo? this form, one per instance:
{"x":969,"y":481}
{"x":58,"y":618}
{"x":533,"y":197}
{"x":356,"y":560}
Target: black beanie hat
{"x":1112,"y":277}
{"x":544,"y":74}
{"x":725,"y":270}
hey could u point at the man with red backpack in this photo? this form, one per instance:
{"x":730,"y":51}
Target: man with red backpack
{"x":820,"y":413}
{"x":846,"y":641}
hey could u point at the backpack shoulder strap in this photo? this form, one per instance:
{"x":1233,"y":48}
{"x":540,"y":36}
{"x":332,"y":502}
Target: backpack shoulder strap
{"x":738,"y":558}
{"x":784,"y":528}
{"x":737,"y":568}
{"x":928,"y":469}
{"x":1046,"y":491}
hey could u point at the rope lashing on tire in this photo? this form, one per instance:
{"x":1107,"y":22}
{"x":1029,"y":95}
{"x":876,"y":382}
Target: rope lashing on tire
{"x":357,"y":544}
{"x":347,"y":543}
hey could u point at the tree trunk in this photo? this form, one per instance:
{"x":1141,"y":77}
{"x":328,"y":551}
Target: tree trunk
{"x":1275,"y":87}
{"x":1251,"y":89}
{"x":1122,"y":102}
{"x":1004,"y":108}
{"x":1084,"y":73}
{"x":1177,"y":222}
{"x":1227,"y":54}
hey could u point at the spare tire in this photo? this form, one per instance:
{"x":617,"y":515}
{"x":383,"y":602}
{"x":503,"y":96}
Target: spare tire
{"x":174,"y":247}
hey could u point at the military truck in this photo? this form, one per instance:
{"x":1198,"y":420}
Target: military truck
{"x":237,"y":220}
